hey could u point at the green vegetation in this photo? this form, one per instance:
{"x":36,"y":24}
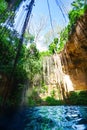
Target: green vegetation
{"x":78,"y":9}
{"x":29,"y":64}
{"x":53,"y":93}
{"x":63,"y":39}
{"x":33,"y":64}
{"x":53,"y":46}
{"x":3,"y":6}
{"x":34,"y":99}
{"x":43,"y":89}
{"x":78,"y":98}
{"x":52,"y":101}
{"x":8,"y":49}
{"x":44,"y":53}
{"x":74,"y":98}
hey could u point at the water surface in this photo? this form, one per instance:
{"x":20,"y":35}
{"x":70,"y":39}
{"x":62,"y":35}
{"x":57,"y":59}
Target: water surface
{"x":46,"y":118}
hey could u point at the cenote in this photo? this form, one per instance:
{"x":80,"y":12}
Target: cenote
{"x":43,"y":65}
{"x":46,"y":118}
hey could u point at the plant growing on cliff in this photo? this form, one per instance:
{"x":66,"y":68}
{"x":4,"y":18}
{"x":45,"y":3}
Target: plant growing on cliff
{"x":53,"y":93}
{"x":78,"y":10}
{"x":63,"y":38}
{"x":53,"y":46}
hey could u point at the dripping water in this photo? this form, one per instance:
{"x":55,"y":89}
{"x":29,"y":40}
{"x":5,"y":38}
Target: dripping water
{"x":54,"y":74}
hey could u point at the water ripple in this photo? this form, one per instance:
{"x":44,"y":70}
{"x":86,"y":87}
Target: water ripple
{"x":47,"y":118}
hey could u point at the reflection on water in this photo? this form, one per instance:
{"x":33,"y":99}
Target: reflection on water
{"x":47,"y":118}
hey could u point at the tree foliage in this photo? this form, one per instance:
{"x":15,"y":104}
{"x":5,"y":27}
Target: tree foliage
{"x":63,"y":38}
{"x":29,"y":61}
{"x":53,"y":46}
{"x":77,"y":11}
{"x":32,"y":63}
{"x":3,"y":6}
{"x":28,"y":38}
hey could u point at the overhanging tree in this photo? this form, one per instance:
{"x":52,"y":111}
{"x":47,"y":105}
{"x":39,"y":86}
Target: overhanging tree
{"x":8,"y":85}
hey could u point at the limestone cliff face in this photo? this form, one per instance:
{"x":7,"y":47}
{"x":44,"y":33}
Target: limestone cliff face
{"x":67,"y":71}
{"x":53,"y":76}
{"x":74,"y":55}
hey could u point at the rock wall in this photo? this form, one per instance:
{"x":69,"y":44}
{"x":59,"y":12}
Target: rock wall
{"x":74,"y":55}
{"x":67,"y":71}
{"x":53,"y":75}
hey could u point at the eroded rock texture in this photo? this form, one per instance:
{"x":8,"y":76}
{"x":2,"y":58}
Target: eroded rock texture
{"x":74,"y":55}
{"x":68,"y":70}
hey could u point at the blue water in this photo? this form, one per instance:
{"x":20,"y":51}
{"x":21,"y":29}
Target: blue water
{"x":46,"y":118}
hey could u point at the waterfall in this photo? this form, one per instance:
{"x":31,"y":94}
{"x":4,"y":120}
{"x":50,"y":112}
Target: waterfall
{"x":54,"y":76}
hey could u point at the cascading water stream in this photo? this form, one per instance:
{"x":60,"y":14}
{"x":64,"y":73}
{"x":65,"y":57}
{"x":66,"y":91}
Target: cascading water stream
{"x":54,"y":75}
